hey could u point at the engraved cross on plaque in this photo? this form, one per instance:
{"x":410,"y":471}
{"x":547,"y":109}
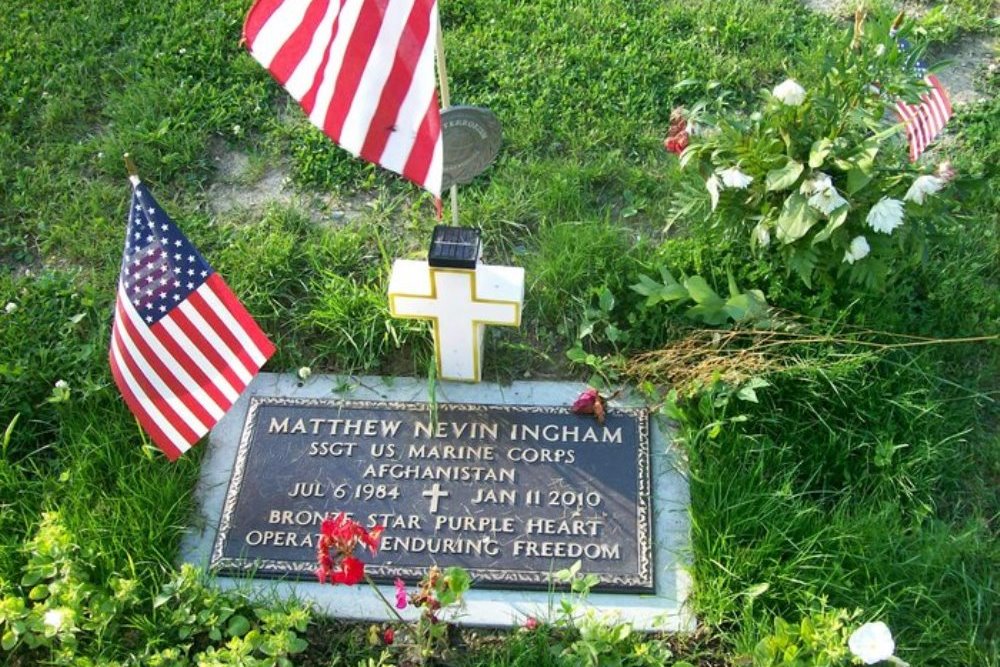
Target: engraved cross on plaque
{"x":459,"y":303}
{"x":435,"y":494}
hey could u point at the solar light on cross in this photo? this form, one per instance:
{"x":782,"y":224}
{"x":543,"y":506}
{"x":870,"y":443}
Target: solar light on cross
{"x":460,"y":296}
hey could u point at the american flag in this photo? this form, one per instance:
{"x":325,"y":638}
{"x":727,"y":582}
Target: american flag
{"x":925,"y":120}
{"x":183,"y":347}
{"x":363,"y":71}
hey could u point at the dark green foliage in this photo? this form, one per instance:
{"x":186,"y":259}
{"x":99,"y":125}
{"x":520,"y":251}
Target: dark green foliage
{"x":870,"y":482}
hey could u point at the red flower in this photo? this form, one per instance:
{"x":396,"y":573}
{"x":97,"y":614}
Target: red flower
{"x":339,"y":537}
{"x":584,"y":403}
{"x":350,"y":572}
{"x":372,"y":538}
{"x":531,"y":623}
{"x":388,"y":636}
{"x":590,"y":402}
{"x":677,"y":136}
{"x":340,"y":529}
{"x":677,"y":143}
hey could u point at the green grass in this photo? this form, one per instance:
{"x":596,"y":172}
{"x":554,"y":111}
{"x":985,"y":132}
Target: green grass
{"x":851,"y":481}
{"x":867,"y":480}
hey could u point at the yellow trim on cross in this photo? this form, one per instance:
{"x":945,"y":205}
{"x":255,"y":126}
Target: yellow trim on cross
{"x":435,"y":320}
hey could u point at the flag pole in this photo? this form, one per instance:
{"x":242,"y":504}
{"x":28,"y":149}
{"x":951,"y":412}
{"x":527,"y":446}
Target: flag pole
{"x":133,"y":171}
{"x":445,"y":103}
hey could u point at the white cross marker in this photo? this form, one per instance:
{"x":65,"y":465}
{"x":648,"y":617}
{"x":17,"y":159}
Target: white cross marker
{"x":459,"y":302}
{"x":435,"y":493}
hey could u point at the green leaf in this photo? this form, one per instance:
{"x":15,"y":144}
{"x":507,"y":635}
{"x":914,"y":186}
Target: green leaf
{"x":607,"y":300}
{"x":837,"y":219}
{"x":238,"y":626}
{"x":796,"y":219}
{"x":712,"y":316}
{"x":701,"y":292}
{"x":803,"y":262}
{"x":817,"y":154}
{"x":646,"y":285}
{"x":785,"y":177}
{"x":749,"y":305}
{"x":856,"y":180}
{"x":9,"y":641}
{"x":452,"y":585}
{"x":756,"y":590}
{"x":39,"y":592}
{"x":669,"y":290}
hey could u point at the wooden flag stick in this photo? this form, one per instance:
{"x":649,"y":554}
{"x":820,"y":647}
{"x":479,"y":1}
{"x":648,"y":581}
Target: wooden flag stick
{"x":445,"y":103}
{"x":133,"y":171}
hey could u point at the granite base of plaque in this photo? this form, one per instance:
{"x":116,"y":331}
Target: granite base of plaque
{"x":501,"y":480}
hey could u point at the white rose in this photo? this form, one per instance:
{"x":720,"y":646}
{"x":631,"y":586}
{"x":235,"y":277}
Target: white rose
{"x":858,"y":249}
{"x":734,"y":178}
{"x":827,"y":200}
{"x":712,"y":185}
{"x":886,"y":215}
{"x":819,"y":181}
{"x":872,"y":643}
{"x":790,"y":93}
{"x":923,"y":186}
{"x":54,"y":618}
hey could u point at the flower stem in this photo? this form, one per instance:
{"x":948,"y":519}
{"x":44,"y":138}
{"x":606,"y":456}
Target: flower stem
{"x":388,"y":605}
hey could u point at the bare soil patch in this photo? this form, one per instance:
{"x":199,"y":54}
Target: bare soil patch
{"x":246,"y":184}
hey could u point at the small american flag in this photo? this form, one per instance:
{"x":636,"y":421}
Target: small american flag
{"x":363,"y":71}
{"x":183,"y":347}
{"x":925,"y":120}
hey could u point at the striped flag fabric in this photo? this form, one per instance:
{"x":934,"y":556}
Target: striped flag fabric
{"x":925,"y":120}
{"x":183,"y":348}
{"x":363,"y":71}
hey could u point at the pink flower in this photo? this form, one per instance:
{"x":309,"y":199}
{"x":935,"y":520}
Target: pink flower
{"x":584,"y":403}
{"x":590,"y":402}
{"x":531,"y":623}
{"x":400,"y":593}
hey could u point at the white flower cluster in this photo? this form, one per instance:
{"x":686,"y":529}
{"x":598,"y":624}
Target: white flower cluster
{"x":872,"y":643}
{"x":730,"y":177}
{"x":734,"y":178}
{"x":790,"y":93}
{"x":858,"y":249}
{"x":923,"y":186}
{"x":823,"y":196}
{"x":886,"y":215}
